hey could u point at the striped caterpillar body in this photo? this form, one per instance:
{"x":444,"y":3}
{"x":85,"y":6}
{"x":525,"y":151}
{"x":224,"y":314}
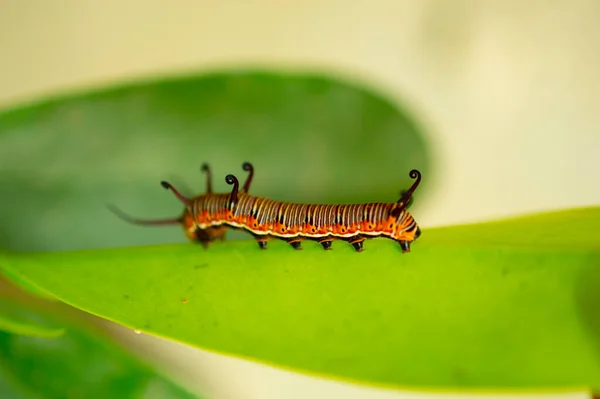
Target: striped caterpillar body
{"x":293,"y":222}
{"x":203,"y":235}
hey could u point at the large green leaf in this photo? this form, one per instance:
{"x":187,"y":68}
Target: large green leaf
{"x":511,"y":304}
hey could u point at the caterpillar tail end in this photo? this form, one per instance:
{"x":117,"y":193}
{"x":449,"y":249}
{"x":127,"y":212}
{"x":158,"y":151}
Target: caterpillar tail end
{"x":405,"y":244}
{"x":417,"y":233}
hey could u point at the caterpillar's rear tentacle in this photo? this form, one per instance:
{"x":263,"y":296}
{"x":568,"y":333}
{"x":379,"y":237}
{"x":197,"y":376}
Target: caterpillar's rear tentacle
{"x":406,"y":197}
{"x":206,"y":169}
{"x":414,"y":174}
{"x":247,"y":166}
{"x":409,"y":202}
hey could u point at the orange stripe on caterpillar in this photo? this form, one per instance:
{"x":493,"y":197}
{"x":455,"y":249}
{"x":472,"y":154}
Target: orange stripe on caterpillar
{"x":203,"y":235}
{"x":293,"y":222}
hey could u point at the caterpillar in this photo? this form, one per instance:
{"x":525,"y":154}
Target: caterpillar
{"x":204,"y":236}
{"x":294,"y":222}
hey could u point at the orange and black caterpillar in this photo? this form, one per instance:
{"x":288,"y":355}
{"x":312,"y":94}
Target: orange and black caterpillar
{"x":292,"y":222}
{"x":204,"y":236}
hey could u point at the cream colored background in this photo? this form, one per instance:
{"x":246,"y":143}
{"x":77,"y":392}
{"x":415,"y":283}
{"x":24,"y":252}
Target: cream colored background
{"x":509,"y":92}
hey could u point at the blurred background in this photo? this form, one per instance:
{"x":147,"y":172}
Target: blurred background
{"x":496,"y":102}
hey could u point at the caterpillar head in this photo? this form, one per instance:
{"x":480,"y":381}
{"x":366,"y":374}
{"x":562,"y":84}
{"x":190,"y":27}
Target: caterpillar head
{"x":203,"y":236}
{"x":190,"y":228}
{"x":186,"y":221}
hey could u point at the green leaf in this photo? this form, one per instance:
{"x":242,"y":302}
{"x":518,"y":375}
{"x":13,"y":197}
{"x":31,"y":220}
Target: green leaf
{"x":510,"y":304}
{"x":80,"y":362}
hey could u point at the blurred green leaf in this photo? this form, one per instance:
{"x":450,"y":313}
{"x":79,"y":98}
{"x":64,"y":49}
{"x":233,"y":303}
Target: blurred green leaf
{"x":18,"y":316}
{"x":78,"y":365}
{"x":19,"y":319}
{"x":84,"y":362}
{"x":311,"y":138}
{"x":10,"y":389}
{"x":509,"y":304}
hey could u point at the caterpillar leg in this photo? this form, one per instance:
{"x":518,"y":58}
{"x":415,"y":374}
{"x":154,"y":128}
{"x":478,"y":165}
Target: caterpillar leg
{"x":357,"y":243}
{"x":295,"y":243}
{"x":262,"y":242}
{"x":326,"y":243}
{"x":405,"y":245}
{"x":203,"y":237}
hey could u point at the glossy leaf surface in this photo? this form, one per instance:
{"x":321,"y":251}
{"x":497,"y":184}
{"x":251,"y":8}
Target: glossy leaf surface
{"x":469,"y":307}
